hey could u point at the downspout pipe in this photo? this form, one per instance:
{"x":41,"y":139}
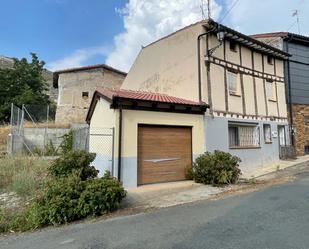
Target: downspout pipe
{"x":289,"y":92}
{"x":119,"y":142}
{"x":199,"y":62}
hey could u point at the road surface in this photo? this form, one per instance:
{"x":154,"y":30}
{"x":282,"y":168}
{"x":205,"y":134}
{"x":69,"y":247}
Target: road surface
{"x":274,"y":217}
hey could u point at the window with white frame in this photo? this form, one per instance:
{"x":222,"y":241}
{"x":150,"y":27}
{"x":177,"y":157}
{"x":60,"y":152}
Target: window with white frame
{"x":244,"y":135}
{"x":270,"y":89}
{"x":232,"y":82}
{"x":267,"y":133}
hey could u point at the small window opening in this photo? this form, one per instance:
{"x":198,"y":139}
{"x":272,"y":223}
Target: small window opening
{"x":270,"y":60}
{"x":233,"y":46}
{"x":85,"y":95}
{"x":267,"y":133}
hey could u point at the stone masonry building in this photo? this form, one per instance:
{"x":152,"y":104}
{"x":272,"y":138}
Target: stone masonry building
{"x":297,"y":83}
{"x":76,"y":87}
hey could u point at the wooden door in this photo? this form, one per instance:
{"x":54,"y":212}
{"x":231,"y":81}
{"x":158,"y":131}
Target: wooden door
{"x":164,"y":153}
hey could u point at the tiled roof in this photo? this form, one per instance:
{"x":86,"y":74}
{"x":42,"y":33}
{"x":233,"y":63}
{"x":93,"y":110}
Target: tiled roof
{"x":141,"y":95}
{"x":77,"y":69}
{"x":270,"y":35}
{"x":74,"y":69}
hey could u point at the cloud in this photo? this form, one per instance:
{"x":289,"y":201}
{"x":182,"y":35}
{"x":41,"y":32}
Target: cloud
{"x":260,"y":16}
{"x":77,"y":58}
{"x":146,"y":21}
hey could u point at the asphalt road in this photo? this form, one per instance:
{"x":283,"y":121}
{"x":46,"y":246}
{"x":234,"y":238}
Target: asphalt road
{"x":275,"y":217}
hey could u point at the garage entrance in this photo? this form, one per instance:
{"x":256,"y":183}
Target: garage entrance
{"x":164,"y":153}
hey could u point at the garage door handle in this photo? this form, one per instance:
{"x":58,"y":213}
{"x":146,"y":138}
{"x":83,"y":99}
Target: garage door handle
{"x":162,"y":160}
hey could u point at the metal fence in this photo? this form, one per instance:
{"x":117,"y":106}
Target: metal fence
{"x":101,"y":142}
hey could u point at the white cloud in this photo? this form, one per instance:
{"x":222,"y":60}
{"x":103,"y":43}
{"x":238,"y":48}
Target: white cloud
{"x":148,"y":20}
{"x":77,"y":58}
{"x":260,"y":16}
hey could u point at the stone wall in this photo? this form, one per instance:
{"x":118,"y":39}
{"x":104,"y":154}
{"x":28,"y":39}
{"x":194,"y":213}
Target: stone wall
{"x":301,"y":123}
{"x":72,"y":106}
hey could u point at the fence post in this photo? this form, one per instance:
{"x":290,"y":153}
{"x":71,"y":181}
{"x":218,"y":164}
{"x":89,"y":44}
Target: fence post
{"x":113,"y":142}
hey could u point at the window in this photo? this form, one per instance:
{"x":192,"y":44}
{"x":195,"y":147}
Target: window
{"x":243,"y":135}
{"x":233,"y":46}
{"x":85,"y":95}
{"x":232,"y":82}
{"x":267,"y":133}
{"x":270,"y":90}
{"x":270,"y":60}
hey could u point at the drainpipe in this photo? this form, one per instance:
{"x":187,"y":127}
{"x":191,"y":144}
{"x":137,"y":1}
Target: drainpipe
{"x":119,"y":142}
{"x":199,"y":62}
{"x":290,"y":94}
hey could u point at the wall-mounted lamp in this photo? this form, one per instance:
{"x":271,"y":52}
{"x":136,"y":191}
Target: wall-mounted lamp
{"x":220,"y":37}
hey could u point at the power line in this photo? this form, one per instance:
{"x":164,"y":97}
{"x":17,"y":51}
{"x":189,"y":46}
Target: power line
{"x":229,"y":10}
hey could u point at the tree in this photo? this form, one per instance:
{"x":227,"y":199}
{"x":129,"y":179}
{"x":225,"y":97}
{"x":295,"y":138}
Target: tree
{"x":22,"y":84}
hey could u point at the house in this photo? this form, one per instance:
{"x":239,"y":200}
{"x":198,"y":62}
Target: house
{"x":205,"y":87}
{"x":297,"y":83}
{"x":76,"y":87}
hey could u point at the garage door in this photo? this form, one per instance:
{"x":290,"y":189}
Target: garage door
{"x":164,"y":153}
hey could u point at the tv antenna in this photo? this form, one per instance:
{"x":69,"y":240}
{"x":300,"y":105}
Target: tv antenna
{"x":295,"y":13}
{"x":203,"y":9}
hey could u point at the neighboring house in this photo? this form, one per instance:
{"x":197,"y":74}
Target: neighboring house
{"x":297,"y":83}
{"x":76,"y":87}
{"x":7,"y":62}
{"x":160,"y":117}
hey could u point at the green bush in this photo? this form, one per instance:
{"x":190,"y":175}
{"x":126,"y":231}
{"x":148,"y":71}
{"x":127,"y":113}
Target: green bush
{"x":72,"y":162}
{"x":69,"y":198}
{"x":216,"y":168}
{"x":100,"y":196}
{"x":67,"y":143}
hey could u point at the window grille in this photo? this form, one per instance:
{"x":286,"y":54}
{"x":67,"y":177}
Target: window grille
{"x":244,"y":136}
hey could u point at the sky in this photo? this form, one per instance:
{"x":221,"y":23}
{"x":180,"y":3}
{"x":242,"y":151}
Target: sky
{"x":73,"y":33}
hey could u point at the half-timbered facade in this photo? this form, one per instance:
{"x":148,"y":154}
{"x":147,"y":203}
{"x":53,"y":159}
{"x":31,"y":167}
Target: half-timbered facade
{"x":241,"y":79}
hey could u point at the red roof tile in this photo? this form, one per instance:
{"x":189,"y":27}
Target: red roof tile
{"x":270,"y":35}
{"x":141,"y":95}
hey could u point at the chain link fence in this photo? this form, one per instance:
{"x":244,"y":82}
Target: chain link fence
{"x":101,"y":142}
{"x":33,"y":132}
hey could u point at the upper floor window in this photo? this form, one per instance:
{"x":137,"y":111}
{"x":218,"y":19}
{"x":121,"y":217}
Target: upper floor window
{"x":270,"y":90}
{"x":270,"y":60}
{"x":232,"y":82}
{"x":233,"y":46}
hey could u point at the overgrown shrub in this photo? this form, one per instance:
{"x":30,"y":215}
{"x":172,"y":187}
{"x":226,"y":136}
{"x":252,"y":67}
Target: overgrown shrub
{"x":216,"y":168}
{"x":69,"y":198}
{"x":74,"y":162}
{"x":67,"y":143}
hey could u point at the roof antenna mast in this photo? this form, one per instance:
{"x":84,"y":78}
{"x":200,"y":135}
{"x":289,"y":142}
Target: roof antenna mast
{"x":295,"y":13}
{"x":208,"y":9}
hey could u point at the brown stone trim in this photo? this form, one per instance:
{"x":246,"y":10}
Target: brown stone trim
{"x":237,"y":114}
{"x":242,"y":85}
{"x":226,"y":90}
{"x":254,"y":85}
{"x":264,"y":86}
{"x":242,"y":69}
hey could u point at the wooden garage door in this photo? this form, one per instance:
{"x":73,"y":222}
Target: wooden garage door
{"x":164,"y":153}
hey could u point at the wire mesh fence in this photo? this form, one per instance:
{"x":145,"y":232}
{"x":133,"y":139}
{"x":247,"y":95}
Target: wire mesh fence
{"x":33,"y":132}
{"x":101,"y":142}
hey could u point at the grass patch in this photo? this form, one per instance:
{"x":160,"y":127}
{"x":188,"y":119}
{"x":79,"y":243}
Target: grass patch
{"x":22,"y":175}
